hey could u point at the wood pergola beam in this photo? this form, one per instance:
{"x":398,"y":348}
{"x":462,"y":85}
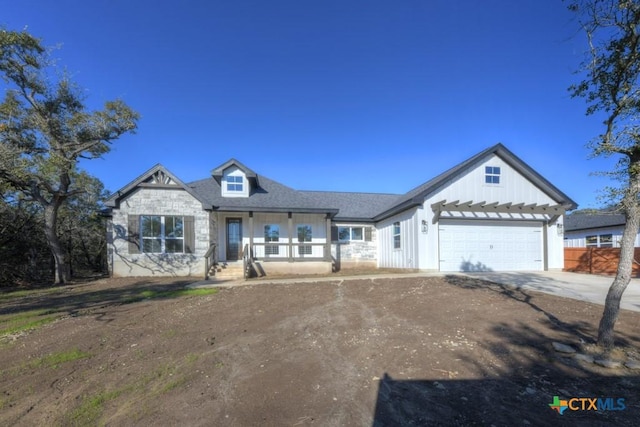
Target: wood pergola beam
{"x":508,"y":208}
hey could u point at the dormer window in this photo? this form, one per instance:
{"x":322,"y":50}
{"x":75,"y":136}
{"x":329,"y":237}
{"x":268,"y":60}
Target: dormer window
{"x":492,"y":175}
{"x":235,"y":179}
{"x":235,"y":184}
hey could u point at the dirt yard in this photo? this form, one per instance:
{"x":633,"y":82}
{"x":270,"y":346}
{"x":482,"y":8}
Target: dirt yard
{"x":367,"y":352}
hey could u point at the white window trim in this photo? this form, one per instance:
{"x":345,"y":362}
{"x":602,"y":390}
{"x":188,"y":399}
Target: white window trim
{"x":235,"y":173}
{"x":163,"y":235}
{"x":493,"y":174}
{"x":398,"y":235}
{"x":271,"y":250}
{"x":351,"y":239}
{"x":599,"y":243}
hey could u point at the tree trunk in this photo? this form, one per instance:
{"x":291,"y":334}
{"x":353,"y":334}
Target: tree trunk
{"x":62,"y":268}
{"x":623,"y":276}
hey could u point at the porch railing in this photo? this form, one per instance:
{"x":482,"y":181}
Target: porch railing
{"x":247,"y":261}
{"x":295,"y":251}
{"x":210,"y":259}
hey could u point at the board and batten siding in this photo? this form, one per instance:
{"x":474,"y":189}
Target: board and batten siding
{"x":407,"y":256}
{"x":316,"y":221}
{"x":513,"y":188}
{"x":161,"y":201}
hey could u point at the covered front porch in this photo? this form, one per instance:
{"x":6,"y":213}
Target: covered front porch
{"x":271,"y":243}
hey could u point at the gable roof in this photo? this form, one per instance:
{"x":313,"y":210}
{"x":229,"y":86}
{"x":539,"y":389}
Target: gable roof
{"x":158,"y":177}
{"x":415,"y":197}
{"x":577,"y":222}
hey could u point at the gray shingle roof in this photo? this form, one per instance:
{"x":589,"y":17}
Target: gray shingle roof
{"x":269,"y":196}
{"x":588,"y":221}
{"x":353,"y":206}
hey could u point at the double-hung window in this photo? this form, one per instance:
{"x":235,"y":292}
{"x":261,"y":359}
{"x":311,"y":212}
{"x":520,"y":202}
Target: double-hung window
{"x":396,"y":235}
{"x":162,"y":234}
{"x":304,"y":235}
{"x":234,"y":184}
{"x":271,"y":235}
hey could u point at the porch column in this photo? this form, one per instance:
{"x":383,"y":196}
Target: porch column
{"x":545,"y":246}
{"x":327,"y":249}
{"x":290,"y":227}
{"x":251,"y":234}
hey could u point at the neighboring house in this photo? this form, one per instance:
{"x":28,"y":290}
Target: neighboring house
{"x":594,"y":231}
{"x":491,"y":212}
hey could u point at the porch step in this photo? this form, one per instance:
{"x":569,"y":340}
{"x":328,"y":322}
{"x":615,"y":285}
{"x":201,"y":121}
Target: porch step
{"x":231,"y":270}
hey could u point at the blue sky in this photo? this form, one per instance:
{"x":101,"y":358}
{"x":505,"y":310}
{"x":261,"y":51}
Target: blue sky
{"x":357,"y":95}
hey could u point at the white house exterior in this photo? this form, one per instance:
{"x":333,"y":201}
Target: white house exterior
{"x":602,"y":230}
{"x":491,"y":212}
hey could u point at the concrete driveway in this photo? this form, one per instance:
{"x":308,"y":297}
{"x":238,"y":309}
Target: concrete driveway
{"x":584,"y":287}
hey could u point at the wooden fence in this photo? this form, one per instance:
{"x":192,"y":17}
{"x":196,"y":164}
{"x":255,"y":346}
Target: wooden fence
{"x":596,"y":260}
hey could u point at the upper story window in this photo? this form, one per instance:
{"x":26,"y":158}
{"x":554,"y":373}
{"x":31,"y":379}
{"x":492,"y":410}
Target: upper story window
{"x":235,"y":183}
{"x":492,"y":175}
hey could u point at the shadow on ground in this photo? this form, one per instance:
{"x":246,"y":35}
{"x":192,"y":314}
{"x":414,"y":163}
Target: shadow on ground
{"x":520,"y":381}
{"x":76,"y":299}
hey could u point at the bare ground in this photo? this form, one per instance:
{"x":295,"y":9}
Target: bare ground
{"x":366,"y":352}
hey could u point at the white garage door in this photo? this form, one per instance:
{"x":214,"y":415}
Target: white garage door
{"x":468,"y":245}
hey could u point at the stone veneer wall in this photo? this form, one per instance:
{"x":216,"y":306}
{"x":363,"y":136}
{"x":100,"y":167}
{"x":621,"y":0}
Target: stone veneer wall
{"x":161,"y":201}
{"x":356,"y":253}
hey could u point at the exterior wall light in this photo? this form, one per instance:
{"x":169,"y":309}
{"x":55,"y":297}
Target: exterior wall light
{"x":425,"y":226}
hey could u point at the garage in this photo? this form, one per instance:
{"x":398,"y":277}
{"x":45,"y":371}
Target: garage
{"x":476,"y":245}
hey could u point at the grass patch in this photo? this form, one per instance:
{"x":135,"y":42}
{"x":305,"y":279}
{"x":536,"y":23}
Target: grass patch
{"x":191,"y":358}
{"x":91,"y":408}
{"x":56,"y":359}
{"x":161,"y":380}
{"x":7,"y":295}
{"x":26,"y":321}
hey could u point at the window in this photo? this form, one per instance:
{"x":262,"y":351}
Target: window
{"x":234,"y":183}
{"x":346,"y":234}
{"x":599,"y":241}
{"x":396,"y":235}
{"x":162,"y":234}
{"x":492,"y":175}
{"x":271,"y":234}
{"x":304,"y":235}
{"x":606,"y":240}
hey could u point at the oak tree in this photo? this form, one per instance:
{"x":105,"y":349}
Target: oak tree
{"x":45,"y":129}
{"x":611,"y":88}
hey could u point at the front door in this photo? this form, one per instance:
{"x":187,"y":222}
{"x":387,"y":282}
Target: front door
{"x":234,"y":239}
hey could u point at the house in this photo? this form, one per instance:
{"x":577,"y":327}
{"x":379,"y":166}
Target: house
{"x":603,"y":230}
{"x":490,"y":212}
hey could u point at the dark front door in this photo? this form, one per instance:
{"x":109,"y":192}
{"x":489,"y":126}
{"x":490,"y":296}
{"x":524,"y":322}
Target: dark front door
{"x":234,"y":239}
